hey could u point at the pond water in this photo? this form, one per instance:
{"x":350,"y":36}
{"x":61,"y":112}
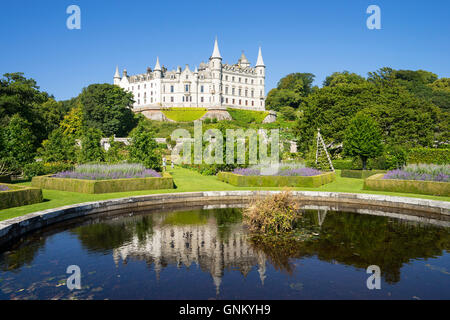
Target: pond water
{"x":208,"y":254}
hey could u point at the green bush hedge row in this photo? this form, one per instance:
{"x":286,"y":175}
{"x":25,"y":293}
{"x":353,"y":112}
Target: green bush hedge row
{"x":5,"y":179}
{"x":429,"y":155}
{"x":34,"y":169}
{"x":376,"y":183}
{"x":19,"y":196}
{"x":360,"y":174}
{"x":276,"y":181}
{"x":247,"y":116}
{"x":103,"y":186}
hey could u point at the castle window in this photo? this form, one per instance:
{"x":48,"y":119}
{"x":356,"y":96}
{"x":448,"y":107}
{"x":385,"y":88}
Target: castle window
{"x":186,"y":88}
{"x":253,"y":103}
{"x":260,"y":71}
{"x":246,"y":80}
{"x":145,"y":86}
{"x":139,"y":87}
{"x":246,"y":92}
{"x":226,"y":100}
{"x":239,"y":79}
{"x":233,"y":101}
{"x":240,"y":91}
{"x":201,"y":99}
{"x":246,"y":102}
{"x":183,"y":98}
{"x":187,"y":77}
{"x":171,"y":99}
{"x":240,"y":101}
{"x":171,"y":89}
{"x":253,"y":93}
{"x":232,"y":79}
{"x":226,"y":90}
{"x":260,"y":81}
{"x":252,"y":81}
{"x":202,"y":89}
{"x":226,"y":78}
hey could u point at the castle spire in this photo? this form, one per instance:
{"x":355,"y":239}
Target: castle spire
{"x":157,"y":66}
{"x":117,"y":75}
{"x":260,"y":61}
{"x":216,"y":52}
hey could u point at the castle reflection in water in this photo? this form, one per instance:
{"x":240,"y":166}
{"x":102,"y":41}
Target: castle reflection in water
{"x":200,"y":244}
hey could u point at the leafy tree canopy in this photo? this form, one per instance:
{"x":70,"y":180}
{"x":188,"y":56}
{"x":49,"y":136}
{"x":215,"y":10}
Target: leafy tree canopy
{"x":108,"y":108}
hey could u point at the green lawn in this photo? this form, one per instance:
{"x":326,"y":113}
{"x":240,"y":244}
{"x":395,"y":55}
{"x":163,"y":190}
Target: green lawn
{"x":186,"y":181}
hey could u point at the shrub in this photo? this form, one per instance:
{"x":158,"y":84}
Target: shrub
{"x":273,"y":214}
{"x":428,"y":155}
{"x":144,"y":149}
{"x":58,"y":147}
{"x":363,"y":138}
{"x":40,"y":168}
{"x":342,"y":164}
{"x":91,"y":149}
{"x":117,"y":151}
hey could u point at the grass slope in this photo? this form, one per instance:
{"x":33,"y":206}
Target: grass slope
{"x":187,"y":181}
{"x":184,"y":114}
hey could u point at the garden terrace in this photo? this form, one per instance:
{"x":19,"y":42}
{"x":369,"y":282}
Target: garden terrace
{"x":276,"y":181}
{"x":379,"y":183}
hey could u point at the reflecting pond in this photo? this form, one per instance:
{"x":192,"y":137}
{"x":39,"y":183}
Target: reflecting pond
{"x":208,"y":254}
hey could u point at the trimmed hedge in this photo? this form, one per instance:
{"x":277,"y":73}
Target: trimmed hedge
{"x":429,"y":155}
{"x":276,"y":181}
{"x":103,"y":186}
{"x":5,"y":179}
{"x":360,"y":174}
{"x":377,"y":183}
{"x":19,"y":196}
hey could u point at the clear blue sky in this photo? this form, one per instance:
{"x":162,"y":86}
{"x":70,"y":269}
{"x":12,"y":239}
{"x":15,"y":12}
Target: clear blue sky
{"x":320,"y":37}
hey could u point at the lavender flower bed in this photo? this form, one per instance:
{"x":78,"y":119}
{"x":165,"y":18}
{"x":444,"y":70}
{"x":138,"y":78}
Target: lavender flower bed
{"x":108,"y":172}
{"x":4,"y":188}
{"x":281,"y":171}
{"x":423,"y":172}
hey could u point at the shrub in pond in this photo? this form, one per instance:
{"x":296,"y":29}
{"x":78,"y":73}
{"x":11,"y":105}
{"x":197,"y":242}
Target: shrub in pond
{"x":273,"y":214}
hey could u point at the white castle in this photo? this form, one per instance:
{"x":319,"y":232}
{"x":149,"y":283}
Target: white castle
{"x":212,"y":85}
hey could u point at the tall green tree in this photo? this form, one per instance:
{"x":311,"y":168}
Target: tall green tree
{"x":144,"y":149}
{"x":290,"y":91}
{"x":108,"y":108}
{"x":18,"y":143}
{"x":363,"y":138}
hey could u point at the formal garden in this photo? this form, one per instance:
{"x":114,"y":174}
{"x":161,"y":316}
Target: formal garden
{"x":370,"y":146}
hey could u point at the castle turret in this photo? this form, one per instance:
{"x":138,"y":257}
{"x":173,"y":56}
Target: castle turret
{"x":215,"y":64}
{"x":157,"y":70}
{"x":117,"y":76}
{"x":260,"y":69}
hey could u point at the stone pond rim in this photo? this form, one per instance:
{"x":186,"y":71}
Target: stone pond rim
{"x":19,"y":226}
